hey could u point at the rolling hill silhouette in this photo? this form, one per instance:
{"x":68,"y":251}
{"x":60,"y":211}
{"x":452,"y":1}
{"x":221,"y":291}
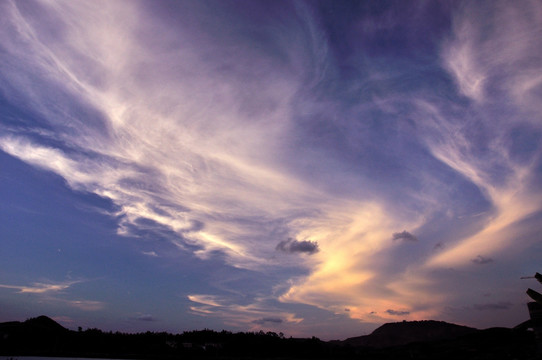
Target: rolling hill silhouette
{"x":401,"y":333}
{"x":42,"y":336}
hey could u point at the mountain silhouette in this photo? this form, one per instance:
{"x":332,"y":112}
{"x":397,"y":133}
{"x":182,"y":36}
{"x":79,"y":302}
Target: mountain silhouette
{"x":44,"y":323}
{"x":401,"y":333}
{"x":41,"y":335}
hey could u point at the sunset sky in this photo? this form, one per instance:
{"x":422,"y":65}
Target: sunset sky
{"x":316,"y":168}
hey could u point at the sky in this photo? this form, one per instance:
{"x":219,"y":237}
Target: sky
{"x":317,"y":168}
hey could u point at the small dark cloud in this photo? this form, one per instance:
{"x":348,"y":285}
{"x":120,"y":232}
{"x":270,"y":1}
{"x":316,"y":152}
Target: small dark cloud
{"x":439,"y":246}
{"x":347,"y":309}
{"x":396,"y":312}
{"x":268,"y":320}
{"x":196,"y":225}
{"x":145,"y":317}
{"x":294,"y":246}
{"x":404,"y":235}
{"x":482,"y":260}
{"x":492,"y":306}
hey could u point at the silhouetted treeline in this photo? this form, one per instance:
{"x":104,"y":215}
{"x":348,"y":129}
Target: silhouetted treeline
{"x":44,"y":337}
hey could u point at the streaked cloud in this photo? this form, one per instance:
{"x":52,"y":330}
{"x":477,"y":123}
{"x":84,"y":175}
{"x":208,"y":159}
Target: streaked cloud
{"x":462,"y":61}
{"x":150,"y":253}
{"x":253,"y":315}
{"x":40,"y":288}
{"x":57,"y":293}
{"x":205,"y":300}
{"x":85,"y":305}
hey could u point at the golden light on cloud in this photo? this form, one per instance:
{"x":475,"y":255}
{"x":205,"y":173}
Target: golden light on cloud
{"x":342,"y":272}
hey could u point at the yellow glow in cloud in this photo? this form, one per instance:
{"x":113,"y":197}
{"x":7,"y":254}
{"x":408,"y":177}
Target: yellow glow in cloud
{"x":342,"y":270}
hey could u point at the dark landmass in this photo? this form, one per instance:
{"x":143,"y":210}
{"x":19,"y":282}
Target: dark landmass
{"x":402,"y":333}
{"x":42,"y":336}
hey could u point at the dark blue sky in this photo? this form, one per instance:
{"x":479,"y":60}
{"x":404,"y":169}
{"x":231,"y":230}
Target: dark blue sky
{"x":311,"y":167}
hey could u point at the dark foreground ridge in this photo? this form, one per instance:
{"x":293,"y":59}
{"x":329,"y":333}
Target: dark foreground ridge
{"x":43,"y":336}
{"x":402,"y":333}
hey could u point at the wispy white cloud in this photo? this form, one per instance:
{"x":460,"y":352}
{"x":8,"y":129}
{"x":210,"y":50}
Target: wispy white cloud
{"x":209,"y":300}
{"x":191,"y":145}
{"x":460,"y":58}
{"x":254,"y":315}
{"x":57,"y":293}
{"x":85,"y":305}
{"x":491,"y":48}
{"x":150,"y":253}
{"x":40,"y":288}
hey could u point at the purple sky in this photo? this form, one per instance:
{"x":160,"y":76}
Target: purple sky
{"x":310,"y":167}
